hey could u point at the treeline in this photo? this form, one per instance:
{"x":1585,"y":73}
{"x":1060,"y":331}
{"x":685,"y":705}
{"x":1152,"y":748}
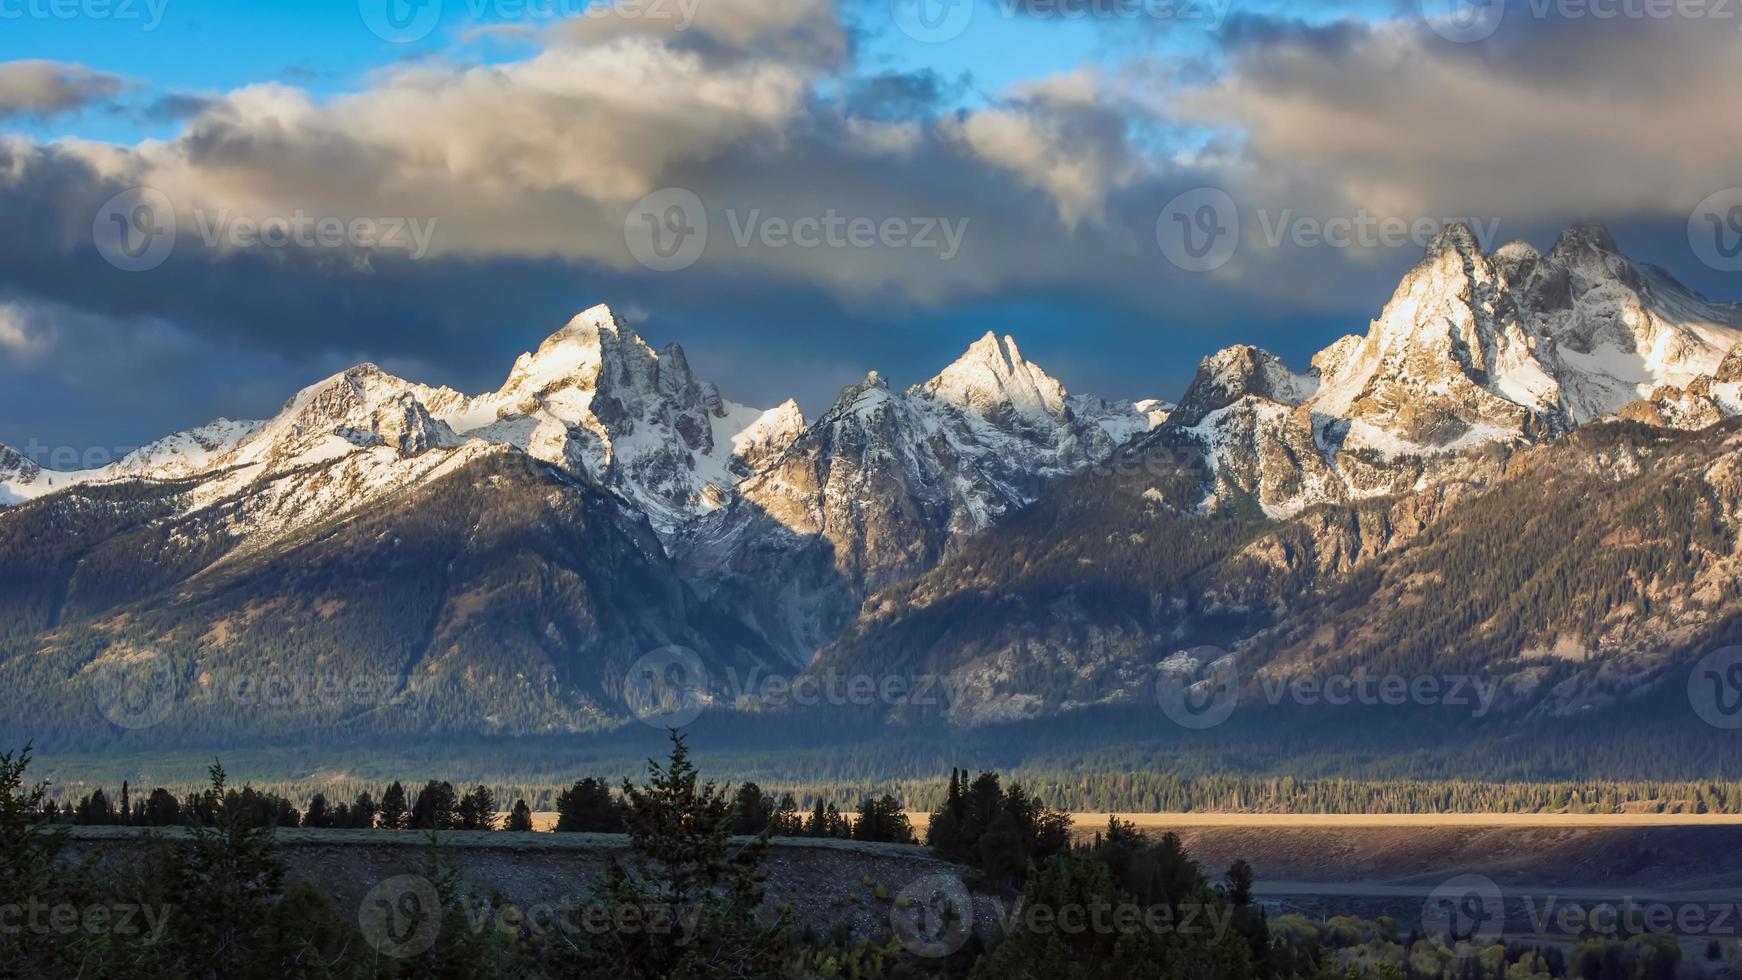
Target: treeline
{"x":218,"y":903}
{"x":588,"y":806}
{"x":438,"y":806}
{"x":225,"y":907}
{"x":1163,"y":792}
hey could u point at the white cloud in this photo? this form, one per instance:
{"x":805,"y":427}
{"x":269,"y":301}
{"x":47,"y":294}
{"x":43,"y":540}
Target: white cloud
{"x":1549,"y":119}
{"x":51,"y":88}
{"x":1059,"y":135}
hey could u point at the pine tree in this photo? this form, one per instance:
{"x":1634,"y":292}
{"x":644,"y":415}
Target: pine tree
{"x":395,"y":815}
{"x":437,"y":807}
{"x":477,"y":810}
{"x":753,"y":810}
{"x":318,"y":816}
{"x":587,"y":808}
{"x":835,"y":825}
{"x":787,"y":822}
{"x":945,"y":826}
{"x":363,"y":811}
{"x":521,"y":817}
{"x":161,"y":809}
{"x":685,"y":868}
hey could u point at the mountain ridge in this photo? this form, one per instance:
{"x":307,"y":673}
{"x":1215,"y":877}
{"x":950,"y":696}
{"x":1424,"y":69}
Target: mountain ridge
{"x":902,"y":529}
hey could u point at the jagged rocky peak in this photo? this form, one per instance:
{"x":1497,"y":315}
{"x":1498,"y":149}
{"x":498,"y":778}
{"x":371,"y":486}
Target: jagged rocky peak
{"x":595,"y":345}
{"x":1585,"y":238}
{"x":187,"y":452}
{"x":1516,"y":260}
{"x":1730,"y":369}
{"x":993,"y":379}
{"x":361,"y":407}
{"x":1235,"y":372}
{"x":862,"y":397}
{"x":15,"y":465}
{"x":406,"y":425}
{"x":1457,"y":238}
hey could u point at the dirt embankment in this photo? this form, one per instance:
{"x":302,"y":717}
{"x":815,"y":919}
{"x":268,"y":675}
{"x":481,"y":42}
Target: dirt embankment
{"x":830,"y":884}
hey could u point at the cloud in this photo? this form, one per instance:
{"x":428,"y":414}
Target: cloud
{"x":528,"y":167}
{"x":21,"y":340}
{"x":45,"y":89}
{"x":1059,"y":135}
{"x":1549,"y":117}
{"x":795,"y":32}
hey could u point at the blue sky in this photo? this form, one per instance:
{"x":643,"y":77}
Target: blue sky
{"x":526,"y":143}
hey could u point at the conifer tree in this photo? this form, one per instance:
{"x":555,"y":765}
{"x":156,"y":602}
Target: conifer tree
{"x":395,"y":814}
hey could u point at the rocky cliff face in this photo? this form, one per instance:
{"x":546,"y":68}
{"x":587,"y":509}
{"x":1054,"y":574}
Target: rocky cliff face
{"x":1438,"y":455}
{"x":1474,"y":354}
{"x":1044,"y":550}
{"x":674,"y":517}
{"x":886,"y":483}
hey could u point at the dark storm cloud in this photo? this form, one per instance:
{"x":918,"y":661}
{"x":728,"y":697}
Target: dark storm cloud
{"x":527,"y":170}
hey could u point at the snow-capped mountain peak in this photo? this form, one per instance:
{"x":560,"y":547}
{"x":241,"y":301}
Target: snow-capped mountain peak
{"x":1471,"y":350}
{"x":992,"y":378}
{"x":577,"y":354}
{"x":20,"y":477}
{"x":358,"y":408}
{"x":1236,"y":372}
{"x":185,"y":453}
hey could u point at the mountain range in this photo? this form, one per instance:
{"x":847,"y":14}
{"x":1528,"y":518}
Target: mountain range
{"x":1525,"y":466}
